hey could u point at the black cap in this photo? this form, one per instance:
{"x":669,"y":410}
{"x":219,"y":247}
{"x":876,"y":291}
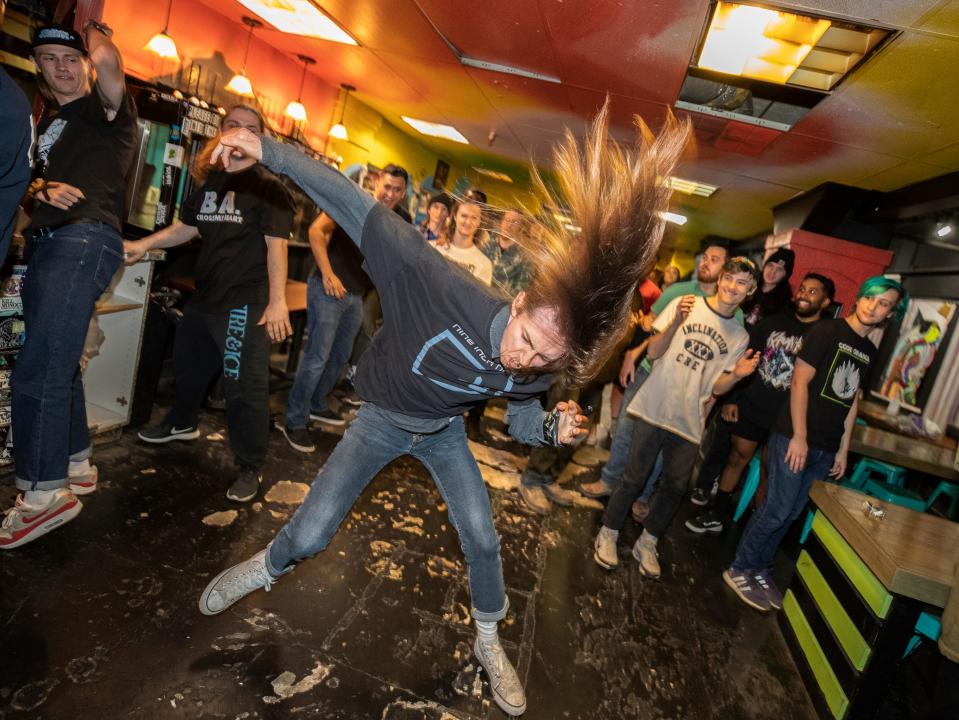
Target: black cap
{"x":442,"y":199}
{"x":59,"y":35}
{"x":785,"y":256}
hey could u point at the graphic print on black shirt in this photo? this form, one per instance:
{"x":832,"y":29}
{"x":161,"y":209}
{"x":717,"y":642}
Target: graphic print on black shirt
{"x":433,"y":356}
{"x":81,"y":147}
{"x":842,"y":359}
{"x":234,"y":213}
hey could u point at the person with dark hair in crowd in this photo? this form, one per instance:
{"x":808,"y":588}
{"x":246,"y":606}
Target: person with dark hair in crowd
{"x":449,"y":341}
{"x":810,"y":439}
{"x":458,"y":241}
{"x":774,"y":293}
{"x":243,"y":216}
{"x":437,"y":213}
{"x":334,"y":313}
{"x":83,"y":152}
{"x":701,"y":352}
{"x":748,"y":412}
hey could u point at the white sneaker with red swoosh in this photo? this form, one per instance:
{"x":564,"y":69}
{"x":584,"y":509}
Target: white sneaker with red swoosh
{"x":23,"y":523}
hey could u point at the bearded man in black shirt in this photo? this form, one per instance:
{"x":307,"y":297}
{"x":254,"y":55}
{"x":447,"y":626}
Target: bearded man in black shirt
{"x":83,"y":153}
{"x":449,"y":342}
{"x":243,"y":216}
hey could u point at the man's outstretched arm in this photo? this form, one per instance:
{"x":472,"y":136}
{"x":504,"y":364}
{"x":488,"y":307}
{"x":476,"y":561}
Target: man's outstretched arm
{"x":341,"y":198}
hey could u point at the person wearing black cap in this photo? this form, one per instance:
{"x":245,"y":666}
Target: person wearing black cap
{"x":437,"y":213}
{"x":774,"y":295}
{"x":83,"y":153}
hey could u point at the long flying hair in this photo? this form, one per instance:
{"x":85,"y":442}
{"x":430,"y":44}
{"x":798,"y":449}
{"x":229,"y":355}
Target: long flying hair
{"x":616,"y":196}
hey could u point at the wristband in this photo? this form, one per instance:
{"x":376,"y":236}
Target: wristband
{"x":99,"y":27}
{"x":551,"y":427}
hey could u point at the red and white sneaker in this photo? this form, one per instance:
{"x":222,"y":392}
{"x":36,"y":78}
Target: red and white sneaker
{"x":84,"y":484}
{"x":23,"y":523}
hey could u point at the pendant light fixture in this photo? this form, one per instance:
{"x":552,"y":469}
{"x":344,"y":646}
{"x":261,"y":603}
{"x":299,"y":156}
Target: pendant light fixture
{"x":295,"y":109}
{"x":240,"y":84}
{"x":338,"y":131}
{"x":161,"y":44}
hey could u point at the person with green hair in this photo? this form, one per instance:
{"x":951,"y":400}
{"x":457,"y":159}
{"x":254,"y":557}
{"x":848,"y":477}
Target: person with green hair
{"x":810,"y":440}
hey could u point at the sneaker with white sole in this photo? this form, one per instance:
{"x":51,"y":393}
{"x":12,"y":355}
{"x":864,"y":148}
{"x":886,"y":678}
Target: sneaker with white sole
{"x":166,"y":431}
{"x":235,"y":583}
{"x":23,"y":523}
{"x":246,"y":485}
{"x":507,"y":690}
{"x":646,"y":554}
{"x":773,"y":594}
{"x":708,"y":522}
{"x":328,"y":417}
{"x":299,"y":439}
{"x":699,"y":497}
{"x":742,"y":583}
{"x":86,"y":483}
{"x":604,"y":548}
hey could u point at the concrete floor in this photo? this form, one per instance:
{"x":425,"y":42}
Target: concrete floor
{"x":99,"y":618}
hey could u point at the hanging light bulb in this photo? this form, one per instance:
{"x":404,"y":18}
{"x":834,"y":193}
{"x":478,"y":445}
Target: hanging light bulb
{"x":295,"y":109}
{"x":338,"y":131}
{"x":240,"y":84}
{"x":161,"y":44}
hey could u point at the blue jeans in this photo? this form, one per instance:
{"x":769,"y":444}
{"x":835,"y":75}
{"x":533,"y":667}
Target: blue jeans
{"x":786,"y":498}
{"x":332,"y":326}
{"x":69,"y":268}
{"x":612,"y":473}
{"x":370,"y":443}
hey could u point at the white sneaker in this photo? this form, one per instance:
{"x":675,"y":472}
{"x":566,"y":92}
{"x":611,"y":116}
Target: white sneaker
{"x":647,"y":556}
{"x":236,"y":583}
{"x":604,"y":548}
{"x":507,"y":690}
{"x":23,"y":523}
{"x":84,"y":484}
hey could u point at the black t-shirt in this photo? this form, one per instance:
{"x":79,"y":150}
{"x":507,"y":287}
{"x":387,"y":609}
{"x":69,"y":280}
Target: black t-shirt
{"x":234,"y":213}
{"x":433,"y":357}
{"x":842,"y":359}
{"x":347,"y":262}
{"x":80,"y":147}
{"x":778,"y":338}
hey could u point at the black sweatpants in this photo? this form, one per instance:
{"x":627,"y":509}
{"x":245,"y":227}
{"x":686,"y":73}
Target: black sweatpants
{"x":231,"y":341}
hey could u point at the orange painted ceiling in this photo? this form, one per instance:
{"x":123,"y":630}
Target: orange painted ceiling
{"x":893,"y":122}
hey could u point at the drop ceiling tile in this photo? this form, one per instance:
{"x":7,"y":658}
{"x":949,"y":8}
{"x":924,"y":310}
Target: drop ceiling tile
{"x":899,"y":13}
{"x":899,"y":176}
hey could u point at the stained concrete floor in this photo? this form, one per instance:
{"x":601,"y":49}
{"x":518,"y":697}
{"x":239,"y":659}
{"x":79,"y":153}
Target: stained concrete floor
{"x":99,"y":620}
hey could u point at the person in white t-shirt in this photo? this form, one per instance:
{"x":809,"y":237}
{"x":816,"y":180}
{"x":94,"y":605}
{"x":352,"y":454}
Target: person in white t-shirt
{"x":457,"y":242}
{"x":701,"y":353}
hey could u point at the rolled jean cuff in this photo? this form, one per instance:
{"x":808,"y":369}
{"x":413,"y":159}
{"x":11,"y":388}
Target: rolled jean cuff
{"x":82,"y":455}
{"x":491,"y":616}
{"x":42,"y":485}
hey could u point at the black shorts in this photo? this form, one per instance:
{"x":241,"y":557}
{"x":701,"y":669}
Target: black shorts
{"x":749,"y":429}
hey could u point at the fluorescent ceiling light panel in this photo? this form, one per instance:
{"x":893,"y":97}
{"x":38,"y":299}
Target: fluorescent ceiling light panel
{"x":447,"y":132}
{"x":299,"y":17}
{"x":690,"y":187}
{"x":507,"y":69}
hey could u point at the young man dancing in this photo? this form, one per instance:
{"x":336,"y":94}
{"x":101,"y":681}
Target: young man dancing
{"x":811,"y":437}
{"x":699,"y":347}
{"x":449,"y":342}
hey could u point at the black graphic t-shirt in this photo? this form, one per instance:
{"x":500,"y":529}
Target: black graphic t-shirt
{"x":347,"y":262}
{"x":778,"y":338}
{"x":234,"y":213}
{"x":433,"y":357}
{"x":80,"y":147}
{"x":842,"y":359}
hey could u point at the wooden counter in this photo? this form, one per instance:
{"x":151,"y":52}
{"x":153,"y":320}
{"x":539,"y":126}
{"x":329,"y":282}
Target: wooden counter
{"x":911,"y":553}
{"x":907,"y":452}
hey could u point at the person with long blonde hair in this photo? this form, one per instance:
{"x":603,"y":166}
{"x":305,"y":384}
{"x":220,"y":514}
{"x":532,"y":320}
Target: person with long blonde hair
{"x":457,"y":241}
{"x":243,"y":216}
{"x":446,"y":345}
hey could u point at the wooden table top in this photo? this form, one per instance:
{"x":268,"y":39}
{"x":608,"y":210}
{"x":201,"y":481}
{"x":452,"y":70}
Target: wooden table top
{"x":912,"y":553}
{"x":907,"y":452}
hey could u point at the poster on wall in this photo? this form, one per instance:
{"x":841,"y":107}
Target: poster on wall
{"x":920,"y":336}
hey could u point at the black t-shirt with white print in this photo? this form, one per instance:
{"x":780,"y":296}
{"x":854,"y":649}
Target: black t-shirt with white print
{"x":842,"y":359}
{"x":778,"y":339}
{"x":234,"y":213}
{"x":80,"y":147}
{"x":433,"y":357}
